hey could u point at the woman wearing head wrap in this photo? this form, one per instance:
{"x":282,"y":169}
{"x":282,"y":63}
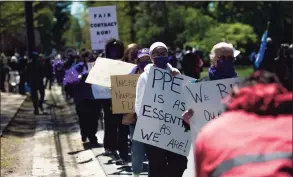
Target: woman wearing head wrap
{"x":162,"y":163}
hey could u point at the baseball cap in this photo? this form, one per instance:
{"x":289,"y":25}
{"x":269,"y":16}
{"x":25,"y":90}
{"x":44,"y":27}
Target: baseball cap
{"x":143,"y":52}
{"x":157,"y":44}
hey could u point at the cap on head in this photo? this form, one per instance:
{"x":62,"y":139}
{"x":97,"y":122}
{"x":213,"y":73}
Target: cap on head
{"x":143,"y":52}
{"x":157,"y":44}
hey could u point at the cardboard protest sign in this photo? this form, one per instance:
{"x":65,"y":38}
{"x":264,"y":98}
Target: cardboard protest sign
{"x":103,"y":25}
{"x":104,"y":68}
{"x":160,"y":123}
{"x":123,"y":90}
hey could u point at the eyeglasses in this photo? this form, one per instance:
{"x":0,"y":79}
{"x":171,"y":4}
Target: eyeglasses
{"x":222,"y":57}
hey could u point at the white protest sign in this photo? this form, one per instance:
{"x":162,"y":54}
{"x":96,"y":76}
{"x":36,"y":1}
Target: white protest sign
{"x":206,"y":101}
{"x":104,"y":68}
{"x":205,"y":98}
{"x":160,"y":123}
{"x":100,"y":92}
{"x":103,"y":25}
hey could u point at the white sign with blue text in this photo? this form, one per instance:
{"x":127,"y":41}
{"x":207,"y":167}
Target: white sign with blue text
{"x":160,"y":123}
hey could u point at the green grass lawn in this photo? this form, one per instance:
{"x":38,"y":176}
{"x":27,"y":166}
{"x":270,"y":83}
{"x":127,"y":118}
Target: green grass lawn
{"x":242,"y":71}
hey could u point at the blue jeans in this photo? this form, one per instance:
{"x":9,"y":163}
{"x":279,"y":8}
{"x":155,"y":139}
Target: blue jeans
{"x":137,"y":153}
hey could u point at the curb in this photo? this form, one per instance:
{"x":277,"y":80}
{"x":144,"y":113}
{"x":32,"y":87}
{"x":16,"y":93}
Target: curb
{"x":12,"y":118}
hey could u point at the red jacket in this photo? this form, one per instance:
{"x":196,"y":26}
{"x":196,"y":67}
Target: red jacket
{"x":253,"y":138}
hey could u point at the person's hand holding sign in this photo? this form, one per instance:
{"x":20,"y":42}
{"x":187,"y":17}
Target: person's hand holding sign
{"x":187,"y":115}
{"x":175,"y":72}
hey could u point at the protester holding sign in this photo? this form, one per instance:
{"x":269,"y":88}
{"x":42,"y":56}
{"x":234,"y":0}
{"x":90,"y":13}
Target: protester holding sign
{"x":162,"y":163}
{"x":115,"y":137}
{"x":222,"y":67}
{"x":137,"y":148}
{"x":84,"y":101}
{"x":254,"y":136}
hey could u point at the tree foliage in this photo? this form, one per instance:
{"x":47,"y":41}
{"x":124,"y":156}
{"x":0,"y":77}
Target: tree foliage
{"x":51,"y":20}
{"x":200,"y":24}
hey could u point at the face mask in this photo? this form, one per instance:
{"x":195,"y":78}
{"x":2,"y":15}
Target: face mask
{"x":225,"y":65}
{"x":143,"y":64}
{"x":161,"y":62}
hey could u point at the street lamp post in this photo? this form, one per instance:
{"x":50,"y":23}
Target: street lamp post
{"x":29,"y":20}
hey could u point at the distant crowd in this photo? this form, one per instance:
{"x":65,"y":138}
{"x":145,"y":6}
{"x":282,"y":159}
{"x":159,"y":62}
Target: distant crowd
{"x":252,"y":138}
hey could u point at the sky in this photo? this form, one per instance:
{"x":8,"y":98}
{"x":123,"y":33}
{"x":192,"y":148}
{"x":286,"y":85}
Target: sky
{"x":77,"y":9}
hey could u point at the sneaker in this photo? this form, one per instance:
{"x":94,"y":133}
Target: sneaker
{"x":107,"y":152}
{"x":121,"y":162}
{"x":135,"y":175}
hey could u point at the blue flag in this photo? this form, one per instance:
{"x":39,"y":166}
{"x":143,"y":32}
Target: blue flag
{"x":262,"y":49}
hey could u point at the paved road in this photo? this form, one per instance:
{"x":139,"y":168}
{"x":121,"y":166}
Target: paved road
{"x":50,"y":145}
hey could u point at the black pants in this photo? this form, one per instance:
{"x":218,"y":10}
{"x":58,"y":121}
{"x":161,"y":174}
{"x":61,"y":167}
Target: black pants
{"x":21,"y":85}
{"x":38,"y":103}
{"x":3,"y":78}
{"x":116,"y":134}
{"x":88,"y":118}
{"x":163,"y":163}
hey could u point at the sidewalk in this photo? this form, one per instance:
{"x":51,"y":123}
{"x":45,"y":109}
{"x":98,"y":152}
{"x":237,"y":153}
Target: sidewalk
{"x":10,"y":104}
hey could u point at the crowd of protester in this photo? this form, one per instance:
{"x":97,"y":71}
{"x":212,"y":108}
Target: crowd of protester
{"x":256,"y":129}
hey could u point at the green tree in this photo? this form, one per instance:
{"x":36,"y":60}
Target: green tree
{"x":73,"y":34}
{"x":240,"y":35}
{"x":62,"y":16}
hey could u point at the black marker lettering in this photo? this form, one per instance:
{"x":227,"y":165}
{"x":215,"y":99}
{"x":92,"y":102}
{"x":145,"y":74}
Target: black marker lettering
{"x":156,"y":137}
{"x":161,"y":100}
{"x":165,"y":81}
{"x":196,"y":98}
{"x":222,"y":89}
{"x":144,"y":110}
{"x":173,"y":83}
{"x":156,"y":72}
{"x":146,"y":136}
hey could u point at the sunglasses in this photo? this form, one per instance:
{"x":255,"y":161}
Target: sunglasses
{"x":222,"y":57}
